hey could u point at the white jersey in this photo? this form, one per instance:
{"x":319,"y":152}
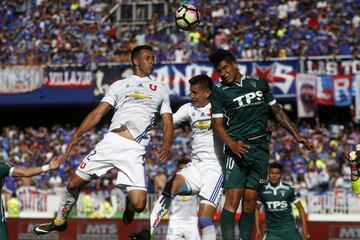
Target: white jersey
{"x":206,"y":146}
{"x":184,"y":209}
{"x":137,"y":102}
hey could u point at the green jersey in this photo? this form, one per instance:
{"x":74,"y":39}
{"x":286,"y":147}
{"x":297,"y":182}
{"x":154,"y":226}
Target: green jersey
{"x":4,"y":172}
{"x":245,"y":106}
{"x":277,"y":204}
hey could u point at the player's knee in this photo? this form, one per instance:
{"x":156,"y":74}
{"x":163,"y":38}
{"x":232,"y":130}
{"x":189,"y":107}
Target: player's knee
{"x":179,"y":188}
{"x":139,"y":205}
{"x":249,"y":205}
{"x":73,"y":186}
{"x":205,"y":222}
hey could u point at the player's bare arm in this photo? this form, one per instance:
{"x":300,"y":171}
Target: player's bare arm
{"x":303,"y":219}
{"x":168,"y":135}
{"x":29,"y":172}
{"x":257,"y":222}
{"x":237,"y":147}
{"x":282,"y":118}
{"x":90,"y":121}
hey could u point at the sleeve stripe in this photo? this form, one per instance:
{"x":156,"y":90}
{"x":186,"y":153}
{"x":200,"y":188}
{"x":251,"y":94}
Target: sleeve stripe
{"x":11,"y":171}
{"x":296,"y":200}
{"x":217,"y":115}
{"x":272,"y":102}
{"x":258,"y":202}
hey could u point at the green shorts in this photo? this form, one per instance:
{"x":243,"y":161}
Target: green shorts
{"x":292,"y":233}
{"x":3,"y":231}
{"x":251,"y":170}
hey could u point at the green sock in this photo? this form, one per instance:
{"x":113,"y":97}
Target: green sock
{"x":246,"y":224}
{"x":227,"y":224}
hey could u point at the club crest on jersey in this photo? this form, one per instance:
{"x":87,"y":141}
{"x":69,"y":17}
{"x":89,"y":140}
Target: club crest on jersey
{"x":153,"y":87}
{"x":282,"y":192}
{"x":253,"y":83}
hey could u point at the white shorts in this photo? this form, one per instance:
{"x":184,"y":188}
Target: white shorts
{"x":180,"y":230}
{"x":204,"y":178}
{"x":118,"y":152}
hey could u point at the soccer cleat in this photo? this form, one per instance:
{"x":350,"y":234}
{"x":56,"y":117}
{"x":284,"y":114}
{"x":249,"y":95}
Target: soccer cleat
{"x":142,"y":235}
{"x":45,"y":228}
{"x":129,"y":214}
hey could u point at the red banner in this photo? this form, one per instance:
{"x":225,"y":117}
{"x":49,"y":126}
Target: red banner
{"x":100,"y":229}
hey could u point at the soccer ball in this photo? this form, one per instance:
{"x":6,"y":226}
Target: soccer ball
{"x":187,"y":17}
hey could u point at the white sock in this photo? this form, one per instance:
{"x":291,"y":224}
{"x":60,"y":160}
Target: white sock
{"x":68,"y":199}
{"x":208,"y":233}
{"x":161,"y":207}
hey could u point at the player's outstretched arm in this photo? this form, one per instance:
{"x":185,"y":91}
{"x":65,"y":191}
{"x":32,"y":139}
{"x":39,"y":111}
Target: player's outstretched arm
{"x":90,"y":121}
{"x":168,"y":136}
{"x":257,"y":222}
{"x":354,"y":160}
{"x":29,"y":172}
{"x":282,"y":118}
{"x":303,"y":220}
{"x":237,"y":147}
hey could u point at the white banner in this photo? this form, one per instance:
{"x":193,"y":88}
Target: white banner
{"x":357,"y":96}
{"x":20,"y":79}
{"x":306,"y":95}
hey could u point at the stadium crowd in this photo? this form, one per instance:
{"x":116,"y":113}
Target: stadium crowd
{"x":35,"y":146}
{"x":64,"y":31}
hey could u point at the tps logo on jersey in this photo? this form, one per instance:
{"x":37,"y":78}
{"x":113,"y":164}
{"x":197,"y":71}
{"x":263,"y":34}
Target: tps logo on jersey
{"x":277,"y":205}
{"x":202,"y":124}
{"x":249,"y":99}
{"x":138,"y":95}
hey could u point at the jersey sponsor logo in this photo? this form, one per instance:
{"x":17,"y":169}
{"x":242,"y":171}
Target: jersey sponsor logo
{"x":250,"y":98}
{"x":277,"y":205}
{"x":202,"y":124}
{"x":138,"y":95}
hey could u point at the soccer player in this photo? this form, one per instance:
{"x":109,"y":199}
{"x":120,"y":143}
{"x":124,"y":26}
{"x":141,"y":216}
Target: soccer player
{"x":245,"y":103}
{"x":277,"y":198}
{"x":183,"y":215}
{"x":354,"y":160}
{"x":137,"y":100}
{"x":7,"y":170}
{"x":203,"y":176}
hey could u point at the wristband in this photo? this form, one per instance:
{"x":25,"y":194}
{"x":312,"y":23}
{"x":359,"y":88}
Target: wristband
{"x":45,"y":168}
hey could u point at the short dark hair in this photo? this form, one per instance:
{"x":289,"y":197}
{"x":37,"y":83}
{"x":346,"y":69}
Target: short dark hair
{"x":221,"y":54}
{"x":136,"y":51}
{"x":276,"y":165}
{"x":203,"y":80}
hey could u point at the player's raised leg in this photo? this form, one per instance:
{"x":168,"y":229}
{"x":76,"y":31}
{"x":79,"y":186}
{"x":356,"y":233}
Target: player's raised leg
{"x":68,"y":199}
{"x":175,"y":186}
{"x":135,"y":202}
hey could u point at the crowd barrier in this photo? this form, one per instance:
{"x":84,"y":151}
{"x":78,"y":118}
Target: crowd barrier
{"x":86,"y":229}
